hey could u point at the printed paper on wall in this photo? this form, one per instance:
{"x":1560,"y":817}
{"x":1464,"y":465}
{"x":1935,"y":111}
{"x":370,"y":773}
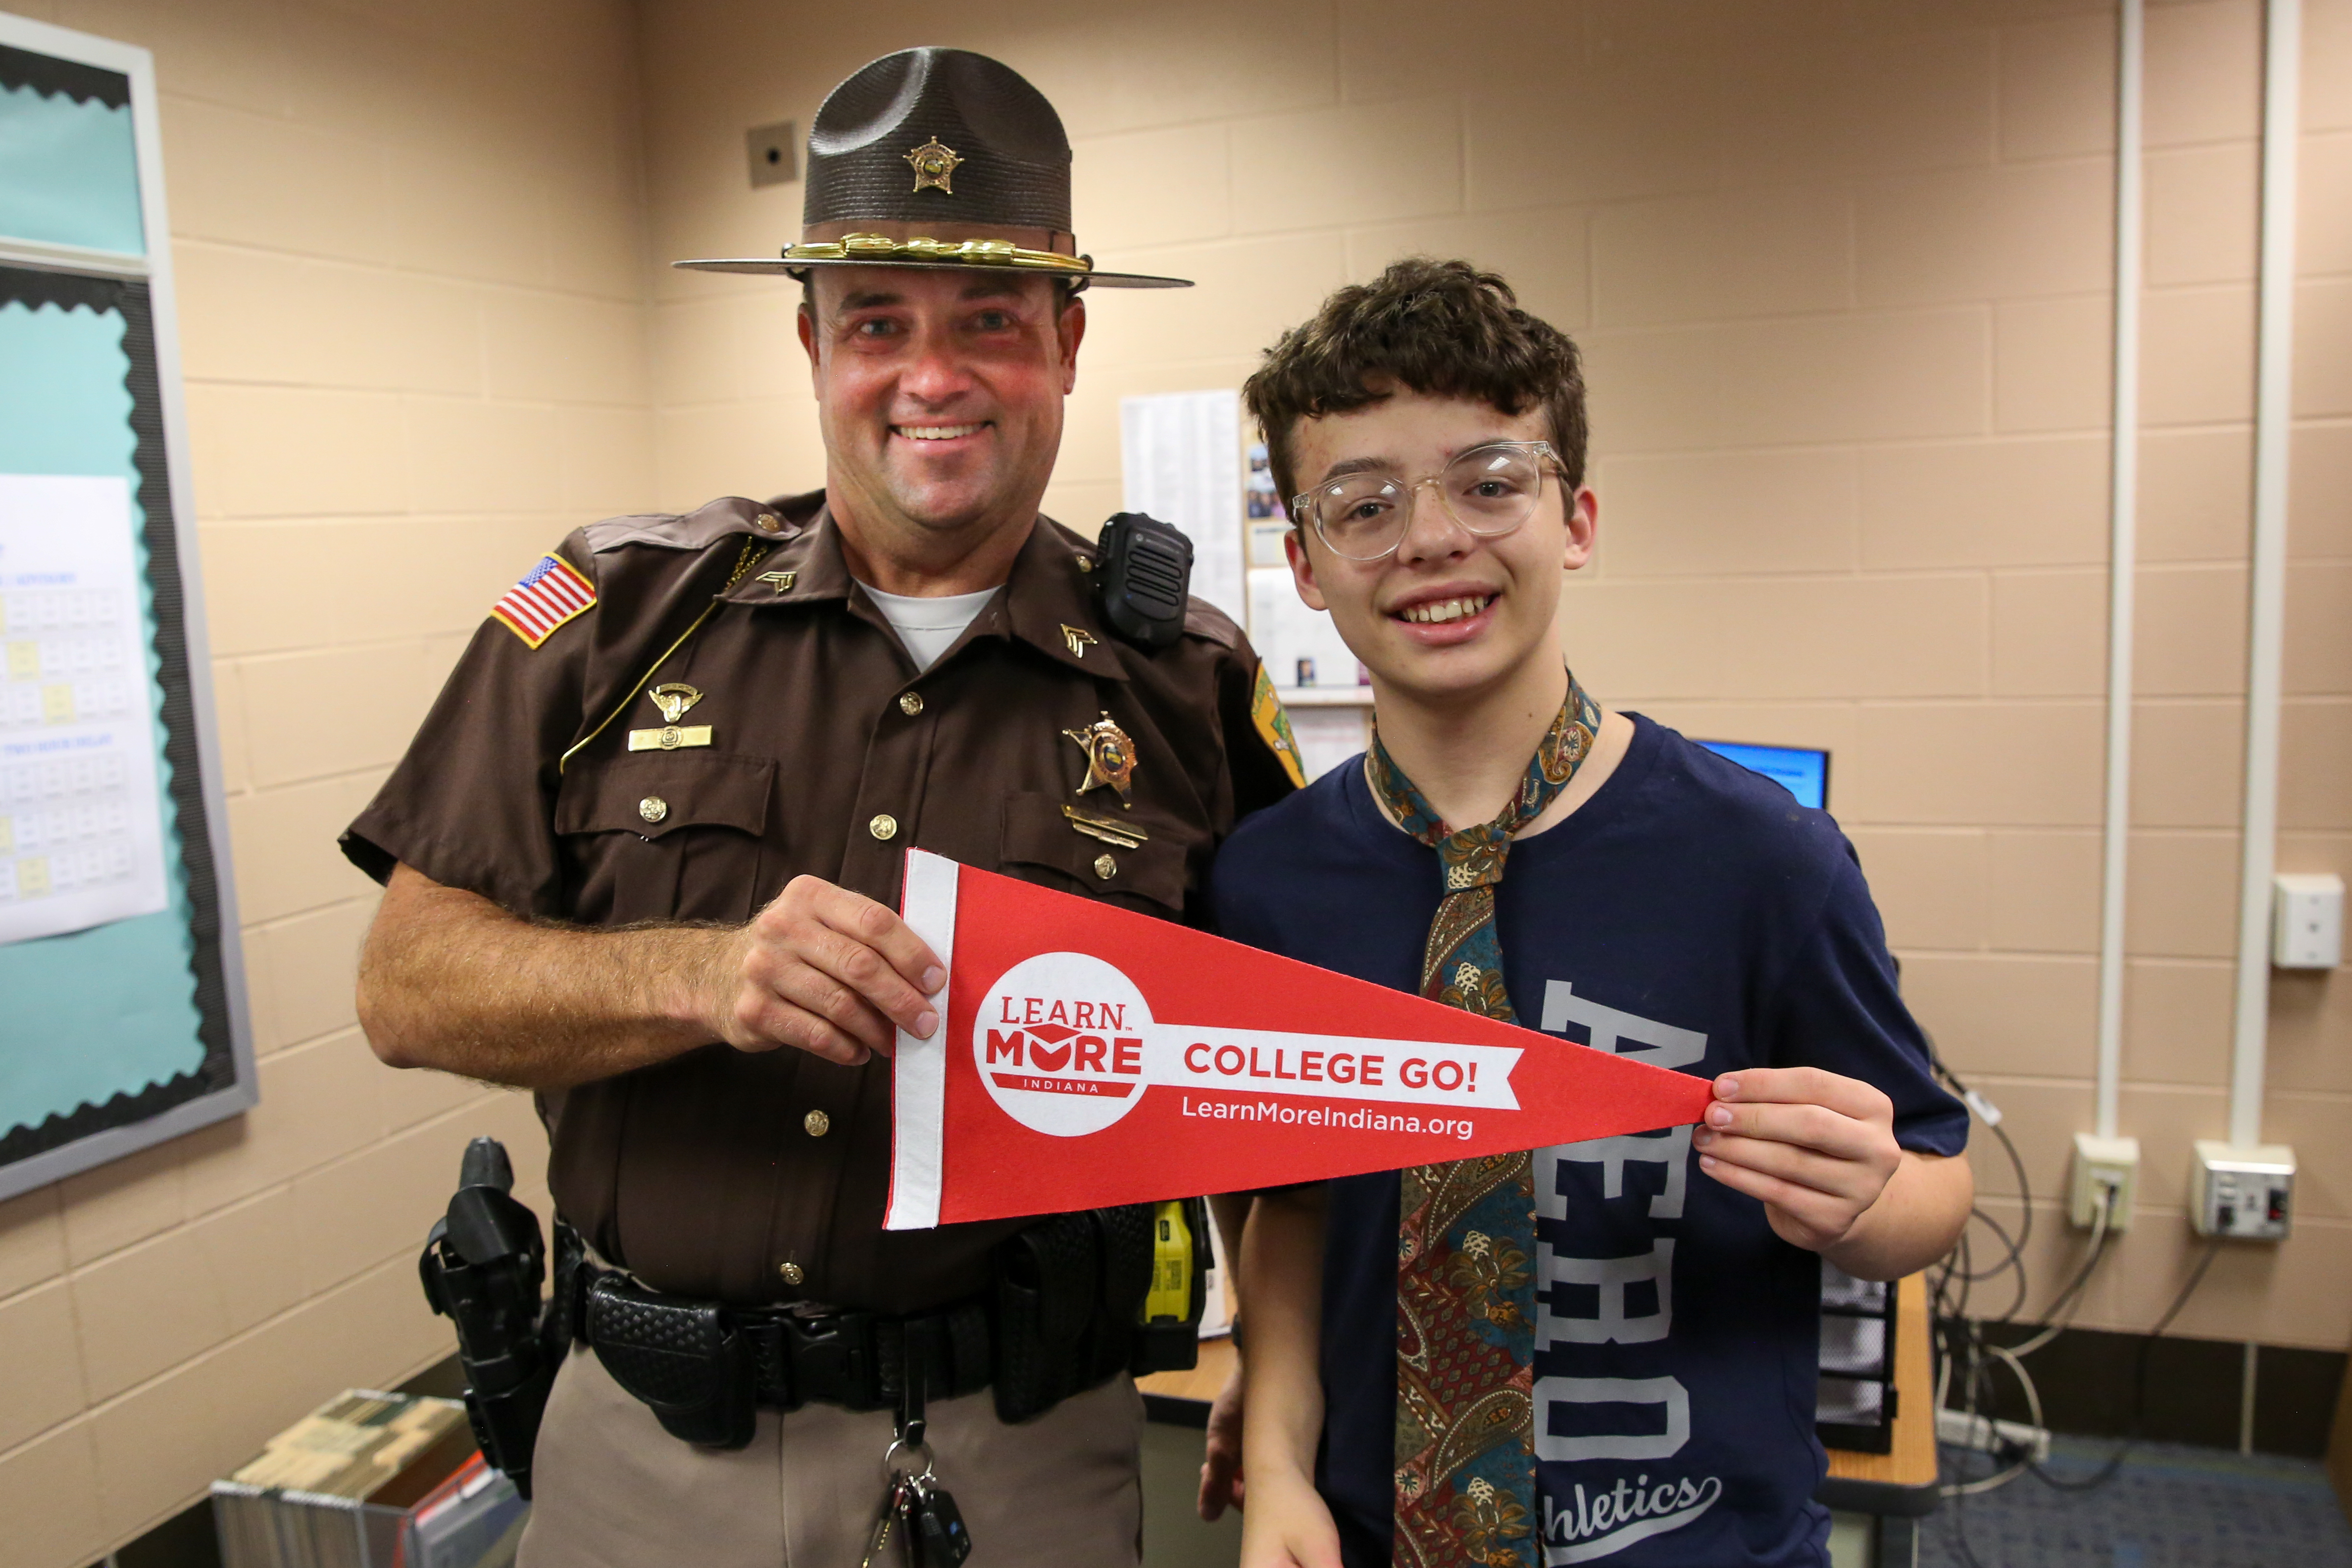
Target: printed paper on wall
{"x":80,"y":827}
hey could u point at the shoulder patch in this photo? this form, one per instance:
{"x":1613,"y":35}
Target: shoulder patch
{"x":1274,"y":727}
{"x":550,"y":594}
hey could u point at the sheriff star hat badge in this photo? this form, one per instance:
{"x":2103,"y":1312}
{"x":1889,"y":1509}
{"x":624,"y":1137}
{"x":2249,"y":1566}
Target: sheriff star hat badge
{"x":934,"y":167}
{"x":992,"y":177}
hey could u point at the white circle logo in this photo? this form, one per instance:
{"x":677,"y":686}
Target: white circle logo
{"x":1059,"y":1041}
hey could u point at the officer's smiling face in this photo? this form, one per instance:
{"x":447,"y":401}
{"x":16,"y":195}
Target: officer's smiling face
{"x":1449,"y":614}
{"x":939,"y":393}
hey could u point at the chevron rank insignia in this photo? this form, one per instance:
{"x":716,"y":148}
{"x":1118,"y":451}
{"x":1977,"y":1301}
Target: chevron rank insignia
{"x":550,"y":594}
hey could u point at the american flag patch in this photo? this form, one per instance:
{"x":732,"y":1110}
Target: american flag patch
{"x":550,"y":594}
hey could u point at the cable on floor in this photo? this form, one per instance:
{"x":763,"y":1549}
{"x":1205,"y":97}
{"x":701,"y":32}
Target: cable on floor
{"x":1959,"y":1338}
{"x":2139,"y":1433}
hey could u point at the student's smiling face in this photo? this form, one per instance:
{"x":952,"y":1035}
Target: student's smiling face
{"x":1449,"y":612}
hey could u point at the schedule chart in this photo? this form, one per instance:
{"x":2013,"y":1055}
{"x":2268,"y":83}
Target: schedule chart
{"x":80,"y":829}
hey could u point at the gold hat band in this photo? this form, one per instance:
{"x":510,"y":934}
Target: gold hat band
{"x":965,"y":253}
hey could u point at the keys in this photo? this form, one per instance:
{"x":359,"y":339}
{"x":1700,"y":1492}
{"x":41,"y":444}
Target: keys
{"x":936,"y":1529}
{"x":919,"y":1511}
{"x":897,"y":1503}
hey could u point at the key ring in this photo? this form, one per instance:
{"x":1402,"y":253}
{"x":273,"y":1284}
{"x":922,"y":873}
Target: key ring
{"x":899,"y":1473}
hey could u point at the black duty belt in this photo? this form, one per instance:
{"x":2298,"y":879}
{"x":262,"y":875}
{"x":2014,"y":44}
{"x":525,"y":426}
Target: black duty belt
{"x":704,"y":1367}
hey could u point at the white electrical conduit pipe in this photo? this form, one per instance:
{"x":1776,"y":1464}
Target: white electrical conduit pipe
{"x":2123,"y":561}
{"x":2266,"y":588}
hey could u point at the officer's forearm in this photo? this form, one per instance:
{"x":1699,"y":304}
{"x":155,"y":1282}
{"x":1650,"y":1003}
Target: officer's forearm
{"x":450,"y":980}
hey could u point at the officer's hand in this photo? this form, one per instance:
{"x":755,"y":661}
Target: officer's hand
{"x":1221,"y":1463}
{"x":825,"y":970}
{"x":1816,"y":1148}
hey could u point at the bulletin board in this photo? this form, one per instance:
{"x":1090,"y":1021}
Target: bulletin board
{"x":122,"y":1011}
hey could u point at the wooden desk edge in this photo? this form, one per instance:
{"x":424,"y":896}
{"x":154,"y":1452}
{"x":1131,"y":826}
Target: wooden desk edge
{"x":1163,"y":1391}
{"x":1905,"y":1479}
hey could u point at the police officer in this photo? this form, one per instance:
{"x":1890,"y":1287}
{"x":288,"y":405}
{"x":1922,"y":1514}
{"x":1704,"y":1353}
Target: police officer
{"x":643,"y":855}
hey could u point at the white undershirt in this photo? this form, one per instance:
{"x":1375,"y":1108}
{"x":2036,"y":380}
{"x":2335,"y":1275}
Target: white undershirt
{"x":928,"y":627}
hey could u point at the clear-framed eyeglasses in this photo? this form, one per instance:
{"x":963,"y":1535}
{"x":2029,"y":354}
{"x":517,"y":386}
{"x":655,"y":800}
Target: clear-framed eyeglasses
{"x":1490,"y":491}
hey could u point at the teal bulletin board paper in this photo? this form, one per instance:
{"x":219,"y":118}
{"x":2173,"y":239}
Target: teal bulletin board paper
{"x":92,"y":1013}
{"x":64,"y":405}
{"x":68,"y":173}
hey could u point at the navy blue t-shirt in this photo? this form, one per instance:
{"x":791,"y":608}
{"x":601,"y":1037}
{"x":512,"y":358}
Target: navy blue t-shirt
{"x":1690,"y":914}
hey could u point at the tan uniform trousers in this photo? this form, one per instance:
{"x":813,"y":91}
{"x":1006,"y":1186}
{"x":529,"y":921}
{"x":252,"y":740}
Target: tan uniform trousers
{"x":612,"y":1490}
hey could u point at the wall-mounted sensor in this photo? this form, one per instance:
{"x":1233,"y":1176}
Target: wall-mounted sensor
{"x":776,"y":154}
{"x":2307,"y":921}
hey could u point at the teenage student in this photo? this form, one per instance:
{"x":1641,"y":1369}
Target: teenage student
{"x":1600,"y":1351}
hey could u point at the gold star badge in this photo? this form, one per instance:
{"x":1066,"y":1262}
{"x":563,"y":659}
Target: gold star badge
{"x":1110,"y":757}
{"x":934,"y":167}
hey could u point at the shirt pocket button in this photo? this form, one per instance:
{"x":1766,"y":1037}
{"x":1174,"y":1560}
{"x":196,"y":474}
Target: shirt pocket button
{"x":653,"y":808}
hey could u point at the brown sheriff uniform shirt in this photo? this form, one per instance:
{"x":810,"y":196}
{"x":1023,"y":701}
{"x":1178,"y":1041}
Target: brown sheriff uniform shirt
{"x":828,"y":756}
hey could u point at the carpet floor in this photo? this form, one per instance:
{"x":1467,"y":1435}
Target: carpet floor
{"x":2167,"y":1507}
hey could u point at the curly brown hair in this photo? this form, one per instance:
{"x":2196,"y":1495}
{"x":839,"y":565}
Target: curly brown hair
{"x":1443,"y":328}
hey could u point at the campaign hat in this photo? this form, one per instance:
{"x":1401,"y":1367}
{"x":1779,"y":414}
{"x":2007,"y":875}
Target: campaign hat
{"x":937,"y":158}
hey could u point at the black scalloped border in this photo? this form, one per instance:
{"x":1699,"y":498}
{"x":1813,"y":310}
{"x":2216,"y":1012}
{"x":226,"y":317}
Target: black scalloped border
{"x":49,"y":75}
{"x":218,"y":1071}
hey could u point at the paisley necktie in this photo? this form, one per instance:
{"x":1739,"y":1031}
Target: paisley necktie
{"x":1465,"y":1247}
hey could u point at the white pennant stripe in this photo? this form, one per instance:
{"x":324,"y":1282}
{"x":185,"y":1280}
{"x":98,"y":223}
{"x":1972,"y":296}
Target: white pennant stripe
{"x":919,"y":1074}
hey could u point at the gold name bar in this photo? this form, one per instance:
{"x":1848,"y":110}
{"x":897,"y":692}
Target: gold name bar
{"x":670,"y":737}
{"x":1125,"y":835}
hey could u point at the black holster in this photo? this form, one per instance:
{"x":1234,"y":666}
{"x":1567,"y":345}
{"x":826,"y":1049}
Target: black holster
{"x":1070,"y":1293}
{"x":482,"y":1266}
{"x":685,"y":1360}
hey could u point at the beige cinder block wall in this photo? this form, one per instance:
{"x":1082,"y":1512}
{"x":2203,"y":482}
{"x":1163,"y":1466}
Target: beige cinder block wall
{"x":1844,"y":273}
{"x":412,"y":266}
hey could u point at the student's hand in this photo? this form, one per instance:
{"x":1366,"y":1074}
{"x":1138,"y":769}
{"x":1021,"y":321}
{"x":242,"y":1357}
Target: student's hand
{"x":1221,"y":1464}
{"x":1815,"y":1148}
{"x":1287,"y":1525}
{"x":825,"y":970}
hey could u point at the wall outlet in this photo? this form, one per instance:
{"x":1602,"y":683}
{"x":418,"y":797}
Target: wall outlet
{"x":2306,"y":921}
{"x":2103,"y":1163}
{"x":2242,"y":1190}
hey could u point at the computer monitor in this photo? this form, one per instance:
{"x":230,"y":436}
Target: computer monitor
{"x":1801,"y":770}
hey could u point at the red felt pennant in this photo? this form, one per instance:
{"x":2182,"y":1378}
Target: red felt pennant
{"x":1091,"y":1055}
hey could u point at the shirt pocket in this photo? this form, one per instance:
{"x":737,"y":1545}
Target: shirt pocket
{"x":668,"y":836}
{"x":1150,"y":877}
